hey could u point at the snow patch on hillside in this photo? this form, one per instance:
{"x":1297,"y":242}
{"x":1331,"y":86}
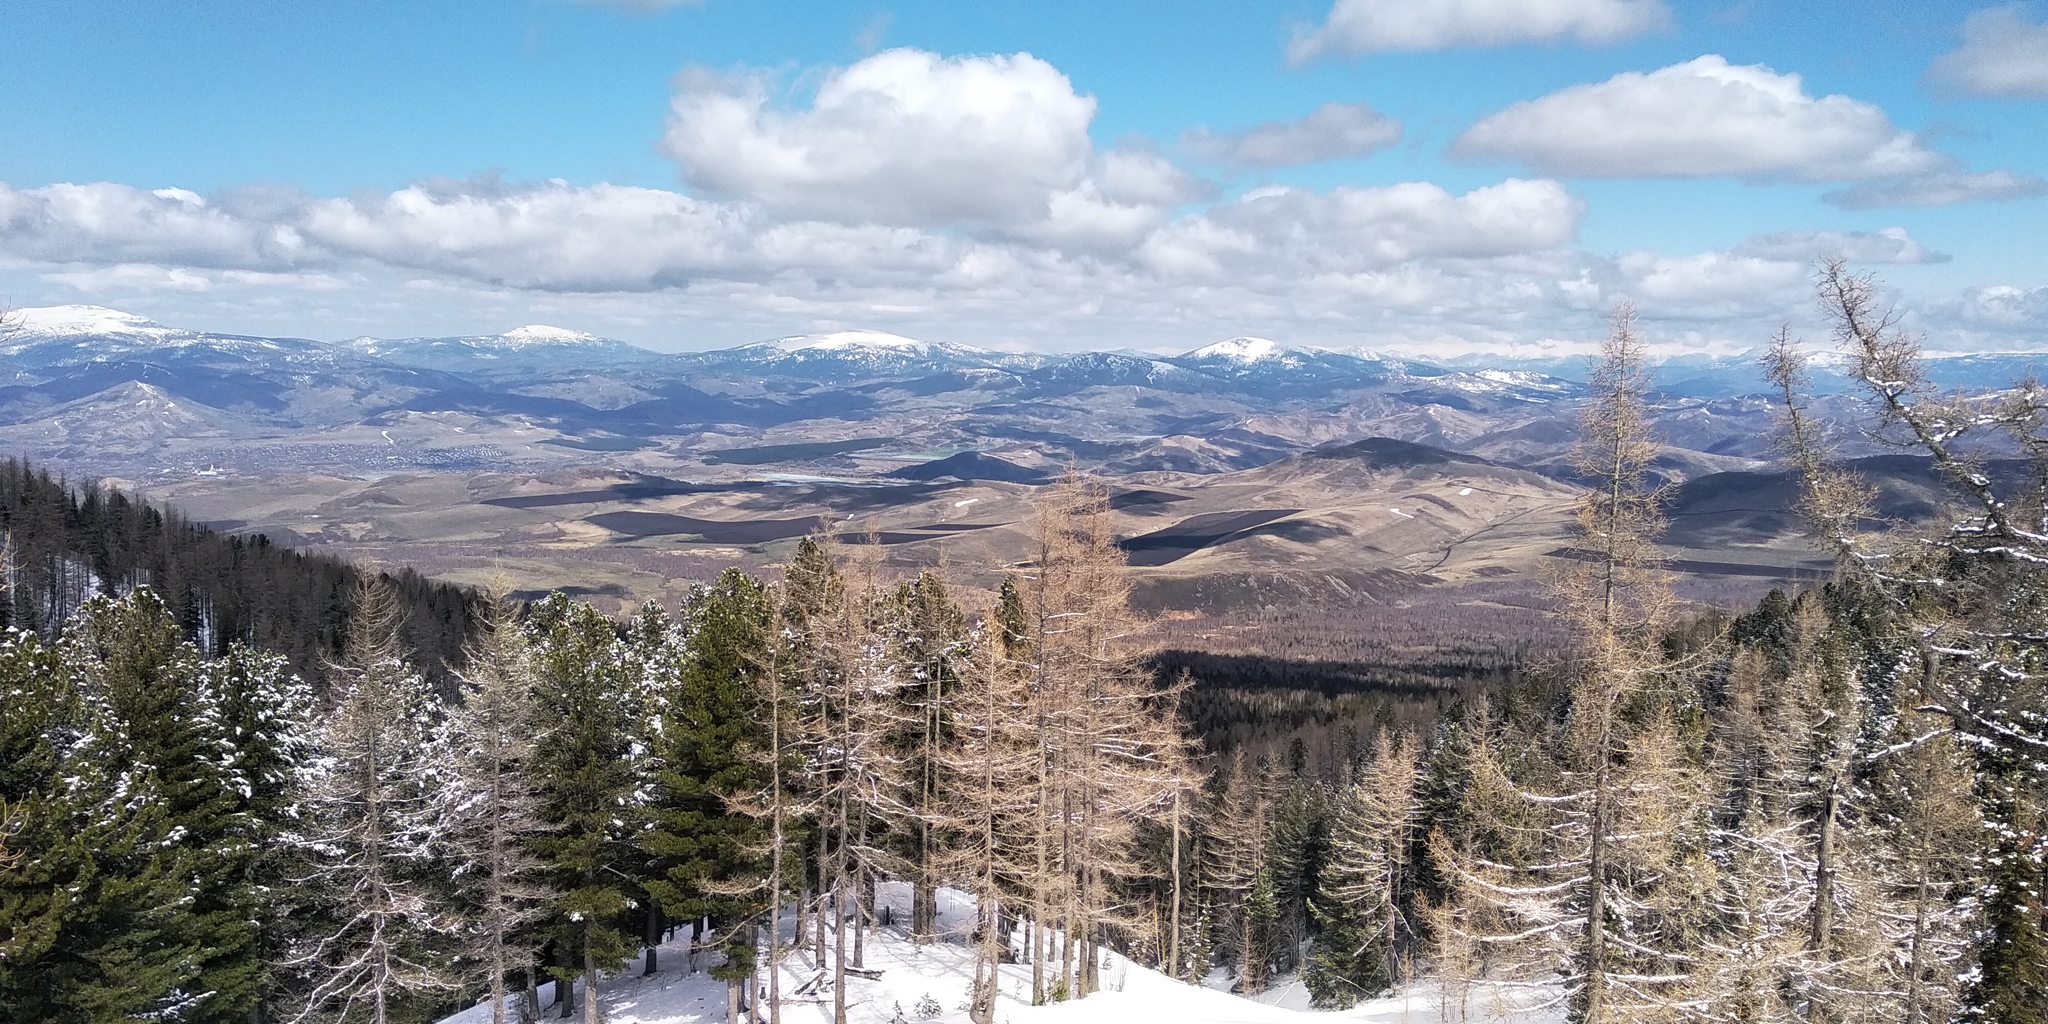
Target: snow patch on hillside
{"x":938,"y":974}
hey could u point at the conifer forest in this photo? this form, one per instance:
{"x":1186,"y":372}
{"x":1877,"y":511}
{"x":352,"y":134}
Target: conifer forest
{"x":243,"y":784}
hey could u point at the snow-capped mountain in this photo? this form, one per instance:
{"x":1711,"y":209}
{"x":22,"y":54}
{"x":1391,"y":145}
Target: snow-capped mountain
{"x":542,"y":334}
{"x":1241,"y":350}
{"x":543,"y":392}
{"x":1263,"y":361}
{"x":50,"y":336}
{"x":843,"y":356}
{"x":40,"y":322}
{"x":534,"y":348}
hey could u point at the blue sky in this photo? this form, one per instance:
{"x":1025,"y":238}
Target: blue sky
{"x":1421,"y":175}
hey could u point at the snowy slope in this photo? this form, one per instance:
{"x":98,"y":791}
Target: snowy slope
{"x":1239,"y":350}
{"x":941,"y":971}
{"x":38,"y":322}
{"x":853,"y":354}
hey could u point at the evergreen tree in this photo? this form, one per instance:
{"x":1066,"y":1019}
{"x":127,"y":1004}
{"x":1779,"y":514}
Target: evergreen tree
{"x":926,"y":638}
{"x":155,"y":717}
{"x":1300,"y":850}
{"x":584,"y":679}
{"x":1366,"y":930}
{"x":89,"y":913}
{"x":1238,"y":877}
{"x":710,"y":719}
{"x":265,"y":714}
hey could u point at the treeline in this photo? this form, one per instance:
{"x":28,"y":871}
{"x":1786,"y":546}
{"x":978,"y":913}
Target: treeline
{"x":60,"y":546}
{"x":1309,"y":686}
{"x":202,"y":838}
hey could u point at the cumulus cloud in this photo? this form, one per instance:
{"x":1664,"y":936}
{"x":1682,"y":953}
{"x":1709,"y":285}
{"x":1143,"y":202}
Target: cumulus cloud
{"x":1351,"y":230}
{"x":1330,"y":132}
{"x":1702,"y":118}
{"x":903,"y":137}
{"x":1941,"y":188}
{"x":1715,"y":284}
{"x":2003,"y":305}
{"x":1408,"y":266}
{"x":1890,"y":245}
{"x":2003,"y":54}
{"x":1398,"y":266}
{"x":557,"y":237}
{"x":110,"y":224}
{"x":1367,"y":26}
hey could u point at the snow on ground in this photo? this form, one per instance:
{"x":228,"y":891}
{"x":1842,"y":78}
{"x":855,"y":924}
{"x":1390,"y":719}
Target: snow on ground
{"x":941,"y":972}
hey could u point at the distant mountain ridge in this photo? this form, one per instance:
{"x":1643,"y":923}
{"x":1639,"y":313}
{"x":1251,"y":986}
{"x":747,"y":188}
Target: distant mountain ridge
{"x":112,"y":392}
{"x":881,"y":352}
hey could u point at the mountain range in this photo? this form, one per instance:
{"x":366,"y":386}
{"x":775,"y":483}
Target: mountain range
{"x":108,"y":392}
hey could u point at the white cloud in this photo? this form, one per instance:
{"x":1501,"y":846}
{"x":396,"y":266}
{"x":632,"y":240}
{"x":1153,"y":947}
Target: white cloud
{"x":1108,"y":259}
{"x":2003,"y":54}
{"x":2003,"y":305}
{"x":1138,"y":176}
{"x":111,"y":224}
{"x":551,"y":236}
{"x":1279,"y":230}
{"x":557,"y":237}
{"x":1366,"y":26}
{"x":1712,"y":284}
{"x":1890,"y":245}
{"x":1941,"y":188}
{"x":903,"y":137}
{"x":1331,"y":131}
{"x":1702,"y":118}
{"x":133,"y":277}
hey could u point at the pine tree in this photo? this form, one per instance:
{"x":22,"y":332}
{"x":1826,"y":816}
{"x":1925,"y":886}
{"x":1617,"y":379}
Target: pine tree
{"x":659,"y":650}
{"x":265,"y":714}
{"x":87,"y":912}
{"x":1300,"y":849}
{"x":709,"y":721}
{"x":145,"y":710}
{"x":926,"y":639}
{"x":584,"y":679}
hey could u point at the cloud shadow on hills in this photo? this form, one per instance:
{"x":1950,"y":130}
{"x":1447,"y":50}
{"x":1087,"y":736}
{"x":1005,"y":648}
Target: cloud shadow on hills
{"x":1173,"y":543}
